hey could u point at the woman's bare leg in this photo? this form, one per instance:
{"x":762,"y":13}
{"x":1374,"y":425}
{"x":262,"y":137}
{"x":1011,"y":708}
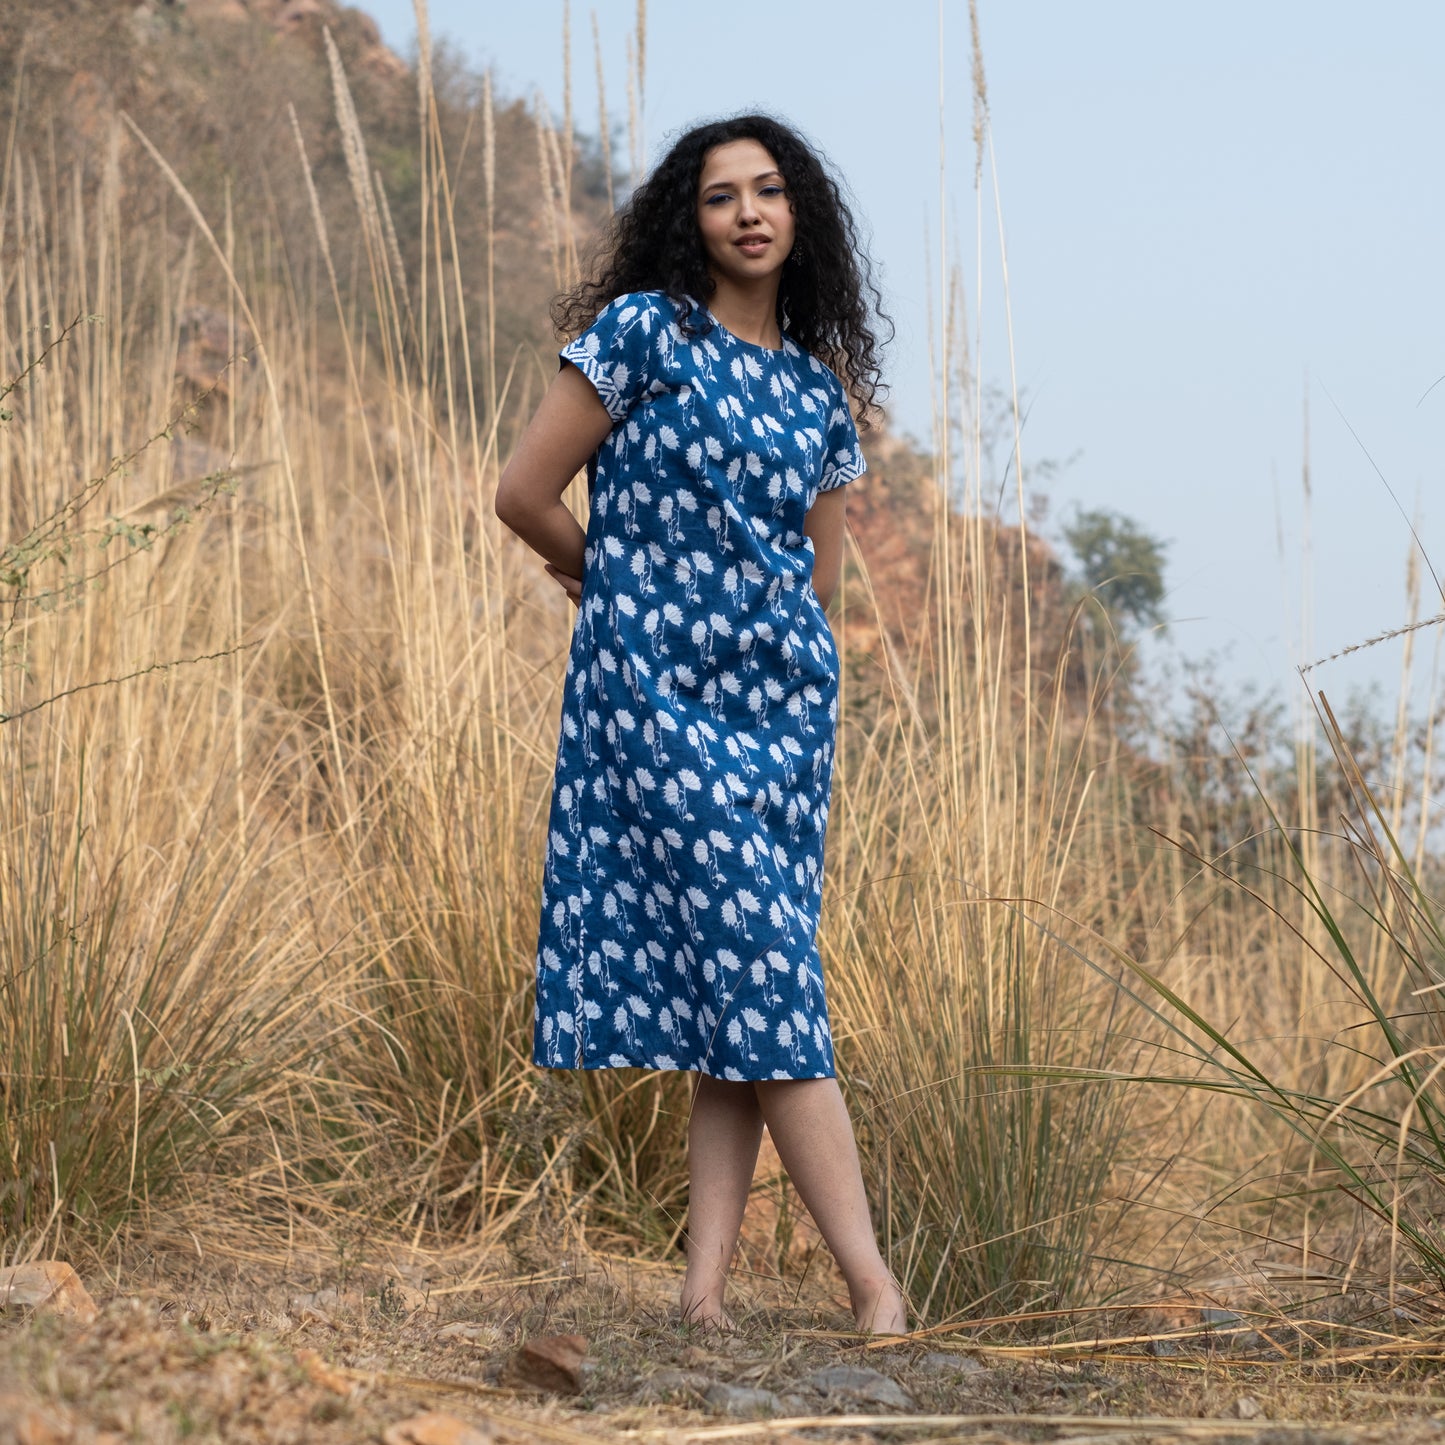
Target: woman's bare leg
{"x":723,"y":1136}
{"x":809,"y":1124}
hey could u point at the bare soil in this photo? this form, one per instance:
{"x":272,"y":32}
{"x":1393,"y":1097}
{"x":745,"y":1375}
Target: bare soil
{"x":255,"y":1343}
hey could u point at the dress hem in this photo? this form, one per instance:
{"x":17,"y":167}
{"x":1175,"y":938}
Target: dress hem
{"x":684,"y":1069}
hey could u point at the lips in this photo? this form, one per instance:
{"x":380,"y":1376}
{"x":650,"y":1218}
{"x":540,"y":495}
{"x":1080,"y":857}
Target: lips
{"x":753,"y":245}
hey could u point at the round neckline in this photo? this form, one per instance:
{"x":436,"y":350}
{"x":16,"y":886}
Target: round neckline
{"x":751,"y":345}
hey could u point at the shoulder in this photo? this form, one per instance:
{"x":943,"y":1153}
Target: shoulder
{"x":827,"y":388}
{"x":629,"y":351}
{"x":817,"y":374}
{"x":647,"y":308}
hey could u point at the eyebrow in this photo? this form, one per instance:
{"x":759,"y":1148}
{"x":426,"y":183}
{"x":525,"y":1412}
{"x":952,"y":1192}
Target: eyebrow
{"x":761,"y":176}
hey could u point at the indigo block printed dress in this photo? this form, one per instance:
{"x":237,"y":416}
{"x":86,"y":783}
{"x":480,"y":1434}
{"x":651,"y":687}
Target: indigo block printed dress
{"x":684,"y":864}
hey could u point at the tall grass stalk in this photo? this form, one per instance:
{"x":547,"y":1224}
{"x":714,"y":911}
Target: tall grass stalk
{"x":962,"y":798}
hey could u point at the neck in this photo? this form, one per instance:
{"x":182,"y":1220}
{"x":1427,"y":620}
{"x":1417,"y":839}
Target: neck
{"x":750,"y":312}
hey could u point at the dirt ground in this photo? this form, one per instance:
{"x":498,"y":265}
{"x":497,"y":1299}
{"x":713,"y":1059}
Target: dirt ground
{"x":250,"y":1345}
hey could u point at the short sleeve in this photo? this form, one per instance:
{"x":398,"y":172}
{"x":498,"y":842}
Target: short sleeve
{"x":843,"y":460}
{"x":619,"y":352}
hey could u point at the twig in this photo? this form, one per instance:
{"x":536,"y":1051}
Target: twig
{"x":8,"y":717}
{"x":39,"y":360}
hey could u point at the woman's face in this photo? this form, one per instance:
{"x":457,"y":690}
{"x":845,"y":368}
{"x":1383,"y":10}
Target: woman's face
{"x":743,"y":213}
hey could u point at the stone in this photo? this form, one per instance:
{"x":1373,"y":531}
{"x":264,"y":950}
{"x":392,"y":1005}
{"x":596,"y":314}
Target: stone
{"x":556,"y":1363}
{"x":435,"y":1428}
{"x":674,"y":1384}
{"x":1246,"y":1407}
{"x":472,"y":1332}
{"x":741,"y":1401}
{"x":326,"y":1303}
{"x":848,"y":1384}
{"x":314,"y":1309}
{"x":52,"y":1286}
{"x":941,"y":1362}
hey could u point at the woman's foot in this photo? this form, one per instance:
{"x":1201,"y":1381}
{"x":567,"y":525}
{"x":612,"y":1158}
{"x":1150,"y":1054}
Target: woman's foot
{"x":879,"y":1307}
{"x":708,"y":1314}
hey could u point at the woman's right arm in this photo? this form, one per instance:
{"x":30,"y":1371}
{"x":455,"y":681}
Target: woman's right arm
{"x":569,"y":425}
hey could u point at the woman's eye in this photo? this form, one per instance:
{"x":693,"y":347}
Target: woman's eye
{"x":771,"y":191}
{"x":717,"y":196}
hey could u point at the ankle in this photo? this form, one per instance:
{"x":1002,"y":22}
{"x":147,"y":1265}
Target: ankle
{"x":878,"y":1305}
{"x":702,"y":1292}
{"x":706,"y":1311}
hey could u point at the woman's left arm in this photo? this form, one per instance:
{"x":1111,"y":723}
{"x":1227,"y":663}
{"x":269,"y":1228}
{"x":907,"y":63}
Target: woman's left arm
{"x":824,"y":524}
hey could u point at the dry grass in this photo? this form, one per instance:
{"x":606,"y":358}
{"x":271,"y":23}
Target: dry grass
{"x":258,"y":1341}
{"x":267,"y":917}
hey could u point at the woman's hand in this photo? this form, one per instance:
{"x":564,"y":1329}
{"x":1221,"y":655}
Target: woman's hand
{"x":572,"y":586}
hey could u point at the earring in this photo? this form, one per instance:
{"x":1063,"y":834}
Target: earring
{"x":797,"y":253}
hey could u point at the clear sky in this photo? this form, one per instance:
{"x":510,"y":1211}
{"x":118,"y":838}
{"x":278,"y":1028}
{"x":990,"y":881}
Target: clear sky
{"x":1209,"y":210}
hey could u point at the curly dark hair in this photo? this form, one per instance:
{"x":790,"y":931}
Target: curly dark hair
{"x":827,"y":300}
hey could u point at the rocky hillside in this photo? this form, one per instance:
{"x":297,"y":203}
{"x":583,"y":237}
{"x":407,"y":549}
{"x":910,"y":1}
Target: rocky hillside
{"x":214,"y":84}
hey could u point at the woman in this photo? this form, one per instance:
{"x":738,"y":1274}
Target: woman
{"x":684,"y":861}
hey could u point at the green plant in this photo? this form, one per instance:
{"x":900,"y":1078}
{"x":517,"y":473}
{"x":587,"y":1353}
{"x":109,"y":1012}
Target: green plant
{"x":1120,"y":562}
{"x":1368,"y":1113}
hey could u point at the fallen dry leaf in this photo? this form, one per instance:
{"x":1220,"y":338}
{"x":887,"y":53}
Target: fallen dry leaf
{"x":549,"y":1362}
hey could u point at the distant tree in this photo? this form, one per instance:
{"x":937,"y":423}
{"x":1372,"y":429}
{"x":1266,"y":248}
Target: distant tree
{"x":1119,"y":562}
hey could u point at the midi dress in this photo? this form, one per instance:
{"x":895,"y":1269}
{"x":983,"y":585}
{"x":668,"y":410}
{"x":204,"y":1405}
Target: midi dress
{"x":684,"y":864}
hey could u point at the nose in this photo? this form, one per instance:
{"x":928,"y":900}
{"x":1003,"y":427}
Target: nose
{"x":748,"y":209}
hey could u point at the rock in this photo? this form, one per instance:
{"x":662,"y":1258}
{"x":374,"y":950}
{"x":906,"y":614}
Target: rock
{"x":848,"y":1384}
{"x":1246,"y":1407}
{"x":326,"y":1302}
{"x":741,"y":1401}
{"x":674,"y":1384}
{"x":556,"y":1363}
{"x":437,"y":1429}
{"x":51,"y":1286}
{"x":940,"y":1362}
{"x":314,"y":1309}
{"x":472,"y":1332}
